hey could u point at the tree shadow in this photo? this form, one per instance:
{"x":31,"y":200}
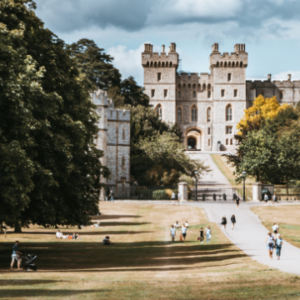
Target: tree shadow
{"x":123,"y":223}
{"x":110,"y":217}
{"x":81,"y":233}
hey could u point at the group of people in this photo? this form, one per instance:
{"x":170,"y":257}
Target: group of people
{"x":274,"y":241}
{"x":59,"y":235}
{"x":183,"y":234}
{"x":224,"y":222}
{"x":266,"y":199}
{"x":173,"y":197}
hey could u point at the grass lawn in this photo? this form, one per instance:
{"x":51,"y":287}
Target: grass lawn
{"x":288,"y":218}
{"x":142,"y":264}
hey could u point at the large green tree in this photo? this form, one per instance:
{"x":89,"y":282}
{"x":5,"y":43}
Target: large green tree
{"x":66,"y":163}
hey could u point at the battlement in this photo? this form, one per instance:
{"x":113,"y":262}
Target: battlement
{"x":118,"y":114}
{"x":269,"y":83}
{"x":195,"y":77}
{"x":100,"y":97}
{"x":160,"y":60}
{"x":236,"y":59}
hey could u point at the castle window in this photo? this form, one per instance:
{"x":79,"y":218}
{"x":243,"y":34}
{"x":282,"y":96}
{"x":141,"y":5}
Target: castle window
{"x":228,"y":112}
{"x":194,"y":114}
{"x":225,"y":64}
{"x":208,"y":94}
{"x":179,"y":86}
{"x":152,"y":93}
{"x":237,"y":64}
{"x":229,"y":64}
{"x":222,"y":93}
{"x":170,"y":64}
{"x":194,"y":94}
{"x":123,"y":133}
{"x":204,"y":87}
{"x":159,"y":64}
{"x":228,"y":129}
{"x":208,"y":115}
{"x":221,"y":64}
{"x":123,"y":162}
{"x":179,"y":94}
{"x":208,"y":143}
{"x":166,"y":64}
{"x":217,"y":64}
{"x":163,"y":64}
{"x":209,"y":86}
{"x":189,"y":86}
{"x":151,"y":65}
{"x":233,"y":64}
{"x":159,"y":111}
{"x":235,"y":93}
{"x":199,"y":86}
{"x":229,"y":77}
{"x":179,"y":113}
{"x":155,"y":64}
{"x":281,"y":95}
{"x":158,"y":76}
{"x":165,"y":93}
{"x":231,"y":143}
{"x":194,"y":86}
{"x":208,"y":130}
{"x":147,"y":63}
{"x":184,"y":86}
{"x":241,"y":64}
{"x":226,"y":141}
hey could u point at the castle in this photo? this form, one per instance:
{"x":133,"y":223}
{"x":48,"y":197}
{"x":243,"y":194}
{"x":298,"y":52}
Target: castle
{"x":208,"y":107}
{"x":114,"y":139}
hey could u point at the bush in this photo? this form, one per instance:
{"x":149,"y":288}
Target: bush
{"x":159,"y":195}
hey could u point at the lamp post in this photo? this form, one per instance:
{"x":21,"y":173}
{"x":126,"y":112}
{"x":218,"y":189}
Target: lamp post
{"x":196,"y":198}
{"x":244,"y":176}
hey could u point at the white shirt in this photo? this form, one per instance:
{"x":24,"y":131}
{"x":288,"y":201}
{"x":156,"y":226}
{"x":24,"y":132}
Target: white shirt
{"x":173,"y":195}
{"x":58,"y":234}
{"x":176,"y":225}
{"x":266,"y":197}
{"x":173,"y":230}
{"x":183,"y":229}
{"x":179,"y":195}
{"x":186,"y":224}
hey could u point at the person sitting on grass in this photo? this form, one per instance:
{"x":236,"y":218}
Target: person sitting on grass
{"x":173,"y":233}
{"x":186,"y":224}
{"x":107,"y":241}
{"x":70,"y":236}
{"x":16,"y":255}
{"x":75,"y":236}
{"x":59,"y":235}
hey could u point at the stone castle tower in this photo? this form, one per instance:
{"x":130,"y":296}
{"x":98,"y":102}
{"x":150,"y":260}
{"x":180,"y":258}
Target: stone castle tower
{"x":208,"y":106}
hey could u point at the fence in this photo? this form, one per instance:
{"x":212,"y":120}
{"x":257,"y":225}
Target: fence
{"x":221,"y":193}
{"x":284,"y":192}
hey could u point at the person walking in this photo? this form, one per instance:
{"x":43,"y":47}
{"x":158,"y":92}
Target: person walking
{"x":179,"y":198}
{"x":208,"y":234}
{"x":237,"y":202}
{"x":183,"y":232}
{"x":16,"y":256}
{"x":201,"y":238}
{"x":173,"y":198}
{"x":279,"y":243}
{"x":270,"y":244}
{"x":266,"y":198}
{"x":233,"y":221}
{"x":111,"y":195}
{"x":173,"y":233}
{"x":224,"y":222}
{"x":274,"y":198}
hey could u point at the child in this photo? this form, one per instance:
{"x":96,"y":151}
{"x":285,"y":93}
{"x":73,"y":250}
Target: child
{"x":201,"y":235}
{"x":278,"y":246}
{"x":183,"y":232}
{"x":173,"y":233}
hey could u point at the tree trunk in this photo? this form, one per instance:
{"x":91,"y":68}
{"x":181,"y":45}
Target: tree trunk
{"x":18,"y":227}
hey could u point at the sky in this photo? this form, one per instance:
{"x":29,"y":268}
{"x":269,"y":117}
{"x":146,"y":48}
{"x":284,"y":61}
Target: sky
{"x":269,"y":28}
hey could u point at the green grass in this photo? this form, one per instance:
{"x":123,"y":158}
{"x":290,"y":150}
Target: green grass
{"x":142,"y":264}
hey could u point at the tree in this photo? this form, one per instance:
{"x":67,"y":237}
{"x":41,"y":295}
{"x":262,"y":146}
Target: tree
{"x":66,"y":163}
{"x":95,"y":65}
{"x":166,"y":160}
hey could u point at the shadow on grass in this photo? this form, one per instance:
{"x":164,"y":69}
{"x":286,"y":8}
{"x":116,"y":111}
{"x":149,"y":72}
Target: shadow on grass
{"x":25,"y":282}
{"x":123,"y":224}
{"x":80,"y":257}
{"x":110,"y":217}
{"x":81,"y":233}
{"x":25,"y":293}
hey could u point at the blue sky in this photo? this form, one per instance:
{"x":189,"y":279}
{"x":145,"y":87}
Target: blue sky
{"x":269,"y":28}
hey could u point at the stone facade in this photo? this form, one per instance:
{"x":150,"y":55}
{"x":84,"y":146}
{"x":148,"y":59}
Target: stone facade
{"x":208,"y":106}
{"x":114,"y":140}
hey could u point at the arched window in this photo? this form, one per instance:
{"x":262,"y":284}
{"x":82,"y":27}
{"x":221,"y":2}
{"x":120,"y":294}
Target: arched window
{"x":163,"y":64}
{"x":208,"y":94}
{"x":179,"y":115}
{"x":228,"y":112}
{"x":225,"y":64}
{"x":209,"y":114}
{"x":123,"y":133}
{"x":226,"y":141}
{"x":147,"y":63}
{"x":159,"y":111}
{"x":221,"y":64}
{"x":194,"y":94}
{"x":179,"y":94}
{"x":155,"y":64}
{"x":123,"y":162}
{"x":194,"y":86}
{"x":233,"y":64}
{"x":231,"y":143}
{"x":151,"y":65}
{"x":159,"y":63}
{"x":237,"y":64}
{"x":241,"y":64}
{"x":194,"y":114}
{"x":184,"y":86}
{"x":209,"y":86}
{"x":166,"y":64}
{"x":199,"y":86}
{"x":170,"y":64}
{"x":189,"y":86}
{"x":229,"y":64}
{"x":179,"y":86}
{"x":203,"y":86}
{"x":217,"y":64}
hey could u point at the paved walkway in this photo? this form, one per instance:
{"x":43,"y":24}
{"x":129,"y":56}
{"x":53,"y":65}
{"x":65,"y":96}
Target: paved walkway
{"x":215,"y":177}
{"x":250,"y":235}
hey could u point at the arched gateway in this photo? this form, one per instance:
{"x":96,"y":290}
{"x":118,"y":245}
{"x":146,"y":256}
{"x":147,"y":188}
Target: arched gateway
{"x":193,"y":138}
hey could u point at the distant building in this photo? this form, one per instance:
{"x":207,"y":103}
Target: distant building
{"x":114,"y":140}
{"x":208,"y":106}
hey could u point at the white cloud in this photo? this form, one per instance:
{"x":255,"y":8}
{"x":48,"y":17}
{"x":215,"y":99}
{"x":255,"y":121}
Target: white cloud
{"x":284,"y":75}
